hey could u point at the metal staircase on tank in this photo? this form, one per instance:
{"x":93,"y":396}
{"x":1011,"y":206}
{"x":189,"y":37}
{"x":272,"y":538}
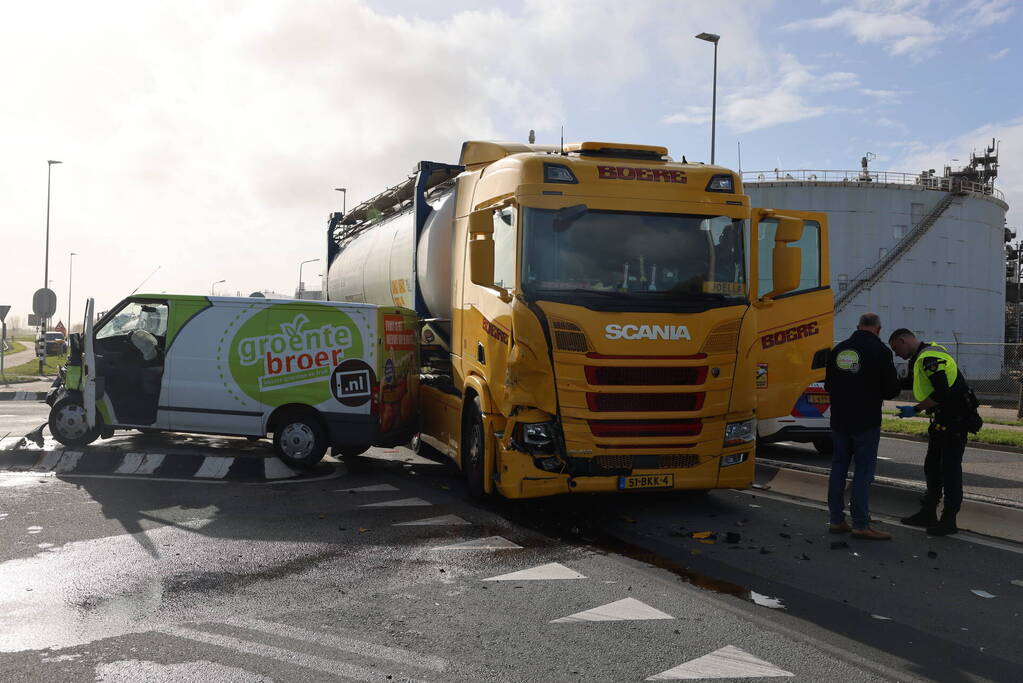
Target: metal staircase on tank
{"x":871,"y":275}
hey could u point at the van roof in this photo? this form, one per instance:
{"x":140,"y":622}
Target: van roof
{"x":250,"y":299}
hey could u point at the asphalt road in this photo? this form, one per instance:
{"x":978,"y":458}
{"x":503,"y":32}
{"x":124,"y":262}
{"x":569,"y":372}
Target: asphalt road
{"x":19,"y":417}
{"x":989,"y":473}
{"x":114,"y":579}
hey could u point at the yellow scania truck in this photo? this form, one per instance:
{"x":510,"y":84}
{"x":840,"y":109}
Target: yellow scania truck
{"x":594,"y":316}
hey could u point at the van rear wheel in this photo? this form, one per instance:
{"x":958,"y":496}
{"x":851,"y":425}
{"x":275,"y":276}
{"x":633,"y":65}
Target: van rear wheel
{"x":300,"y":440}
{"x":68,"y":423}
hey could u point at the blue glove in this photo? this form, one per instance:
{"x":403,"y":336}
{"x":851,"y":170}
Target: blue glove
{"x":907,"y":411}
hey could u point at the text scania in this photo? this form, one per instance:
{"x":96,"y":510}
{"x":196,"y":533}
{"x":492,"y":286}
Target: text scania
{"x":670,"y":332}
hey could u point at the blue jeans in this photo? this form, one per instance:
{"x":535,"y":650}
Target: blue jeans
{"x":859,"y":448}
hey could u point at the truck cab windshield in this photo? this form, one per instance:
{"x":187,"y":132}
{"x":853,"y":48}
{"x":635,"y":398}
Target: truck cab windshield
{"x":634,"y":254}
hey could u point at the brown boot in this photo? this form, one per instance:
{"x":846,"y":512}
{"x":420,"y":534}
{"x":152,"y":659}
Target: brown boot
{"x":842,"y":528}
{"x":870,"y":534}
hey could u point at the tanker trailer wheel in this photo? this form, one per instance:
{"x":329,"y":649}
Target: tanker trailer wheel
{"x":68,"y":424}
{"x":299,"y":439}
{"x":474,"y":449}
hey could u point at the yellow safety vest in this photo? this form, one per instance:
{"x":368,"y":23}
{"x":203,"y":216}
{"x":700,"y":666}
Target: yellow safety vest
{"x":922,"y":387}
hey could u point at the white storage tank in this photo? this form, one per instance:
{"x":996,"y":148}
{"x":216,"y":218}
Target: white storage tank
{"x":924,"y":252}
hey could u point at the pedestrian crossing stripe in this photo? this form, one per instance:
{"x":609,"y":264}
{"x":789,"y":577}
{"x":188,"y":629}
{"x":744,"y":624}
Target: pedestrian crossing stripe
{"x":368,"y":489}
{"x":488,"y":543}
{"x":628,"y":609}
{"x":728,"y":662}
{"x":545,"y":572}
{"x":443,"y":520}
{"x":400,"y":503}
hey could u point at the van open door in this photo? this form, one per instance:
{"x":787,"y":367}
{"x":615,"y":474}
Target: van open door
{"x":795,"y":313}
{"x":89,"y":366}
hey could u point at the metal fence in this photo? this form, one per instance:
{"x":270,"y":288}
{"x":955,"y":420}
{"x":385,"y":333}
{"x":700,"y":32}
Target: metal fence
{"x":923,"y":180}
{"x":995,"y":371}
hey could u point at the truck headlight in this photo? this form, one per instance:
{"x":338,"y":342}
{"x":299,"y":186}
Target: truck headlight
{"x":738,"y":433}
{"x":538,"y":437}
{"x":733,"y":459}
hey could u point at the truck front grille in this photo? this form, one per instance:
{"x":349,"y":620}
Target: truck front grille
{"x":645,"y":376}
{"x":646,"y":462}
{"x":647,"y":428}
{"x":641,"y":403}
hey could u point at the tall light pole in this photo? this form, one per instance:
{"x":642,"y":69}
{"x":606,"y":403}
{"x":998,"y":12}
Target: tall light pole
{"x":46,"y":259}
{"x":214,"y":284}
{"x":344,"y":198}
{"x":712,"y":38}
{"x":70,"y":270}
{"x":300,"y":288}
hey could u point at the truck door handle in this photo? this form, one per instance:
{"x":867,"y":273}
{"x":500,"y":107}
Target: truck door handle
{"x":481,"y":355}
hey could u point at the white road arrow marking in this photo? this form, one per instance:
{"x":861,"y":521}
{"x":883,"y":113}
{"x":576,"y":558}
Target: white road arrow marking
{"x":728,"y":662}
{"x":489,"y":543}
{"x":400,"y":503}
{"x":443,"y":520}
{"x":546,"y":572}
{"x":629,"y":609}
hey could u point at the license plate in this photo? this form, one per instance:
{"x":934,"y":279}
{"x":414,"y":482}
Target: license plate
{"x":819,"y":398}
{"x":646,"y":481}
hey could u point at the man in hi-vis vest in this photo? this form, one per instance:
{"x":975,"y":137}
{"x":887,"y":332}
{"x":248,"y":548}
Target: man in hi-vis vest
{"x":940,"y":389}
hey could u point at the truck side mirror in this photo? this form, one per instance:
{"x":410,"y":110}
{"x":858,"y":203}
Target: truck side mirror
{"x":481,"y":262}
{"x":787,"y":262}
{"x":789,"y":229}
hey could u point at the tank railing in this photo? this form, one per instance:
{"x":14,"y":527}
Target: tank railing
{"x":925,"y":181}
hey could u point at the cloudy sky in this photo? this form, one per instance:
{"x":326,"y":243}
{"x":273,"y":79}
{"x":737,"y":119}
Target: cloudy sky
{"x":205,"y":137}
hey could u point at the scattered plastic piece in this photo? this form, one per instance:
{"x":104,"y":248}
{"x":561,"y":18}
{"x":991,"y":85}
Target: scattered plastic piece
{"x":766,"y":601}
{"x":804,"y":556}
{"x":880,"y":618}
{"x":838,"y":545}
{"x":362,"y":531}
{"x":707,"y":541}
{"x":983,"y":594}
{"x":753,"y":506}
{"x":704,"y":534}
{"x":1017,"y":582}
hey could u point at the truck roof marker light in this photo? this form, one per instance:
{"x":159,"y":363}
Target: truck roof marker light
{"x":558,"y":173}
{"x":721,"y":183}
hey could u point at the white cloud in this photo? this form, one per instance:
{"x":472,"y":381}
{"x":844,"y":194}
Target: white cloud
{"x":783,"y":96}
{"x":1009,"y":134}
{"x":1000,"y":54}
{"x":883,"y":96}
{"x":908,"y":28}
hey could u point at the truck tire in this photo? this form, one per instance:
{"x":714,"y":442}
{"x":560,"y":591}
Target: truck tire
{"x":474,"y":449}
{"x":67,"y":423}
{"x":299,"y":439}
{"x":824,"y":446}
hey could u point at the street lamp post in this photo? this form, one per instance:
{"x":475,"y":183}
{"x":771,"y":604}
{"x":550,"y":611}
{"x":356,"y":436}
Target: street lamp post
{"x":712,"y":38}
{"x":300,"y":286}
{"x":215,"y":284}
{"x":46,"y":259}
{"x":344,"y":198}
{"x":70,"y":270}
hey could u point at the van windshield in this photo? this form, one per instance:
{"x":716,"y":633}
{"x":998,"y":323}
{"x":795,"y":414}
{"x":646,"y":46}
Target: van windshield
{"x":633,"y":255}
{"x":136,"y":315}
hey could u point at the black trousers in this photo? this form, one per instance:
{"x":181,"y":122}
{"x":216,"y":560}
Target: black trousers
{"x":943,"y":467}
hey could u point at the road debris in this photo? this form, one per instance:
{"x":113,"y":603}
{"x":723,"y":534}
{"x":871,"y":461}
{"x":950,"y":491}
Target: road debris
{"x":983,"y":594}
{"x":766,"y":600}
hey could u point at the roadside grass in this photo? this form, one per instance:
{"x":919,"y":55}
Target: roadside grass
{"x":15,"y":348}
{"x":987,"y":420}
{"x":1001,"y":437}
{"x":30,"y":369}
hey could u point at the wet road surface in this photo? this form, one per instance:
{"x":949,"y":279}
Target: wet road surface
{"x":127,"y":579}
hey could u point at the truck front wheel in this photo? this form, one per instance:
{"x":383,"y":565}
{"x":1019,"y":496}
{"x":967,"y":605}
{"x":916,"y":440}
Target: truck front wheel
{"x":68,"y":423}
{"x":299,"y":440}
{"x":474,"y":449}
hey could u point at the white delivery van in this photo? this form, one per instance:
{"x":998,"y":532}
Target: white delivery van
{"x":315,"y":374}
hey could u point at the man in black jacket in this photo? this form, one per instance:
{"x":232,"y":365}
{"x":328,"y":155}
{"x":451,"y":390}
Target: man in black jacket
{"x":860,"y":376}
